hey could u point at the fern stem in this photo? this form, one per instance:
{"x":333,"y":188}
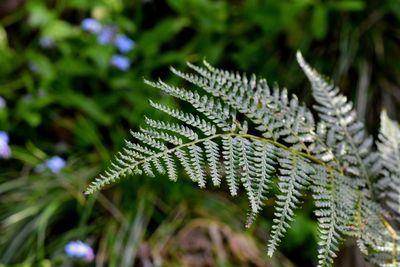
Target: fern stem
{"x":249,"y":136}
{"x":277,"y":144}
{"x":128,"y":169}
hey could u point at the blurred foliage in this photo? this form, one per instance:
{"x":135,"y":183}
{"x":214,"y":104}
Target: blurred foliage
{"x":65,"y":98}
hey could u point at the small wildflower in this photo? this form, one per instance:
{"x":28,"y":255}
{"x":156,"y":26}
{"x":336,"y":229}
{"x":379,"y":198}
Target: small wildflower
{"x":78,"y":249}
{"x":2,"y":102}
{"x":55,"y":164}
{"x":120,"y":62}
{"x":5,"y":151}
{"x":46,"y":42}
{"x":106,"y":35}
{"x":124,"y":43}
{"x":91,"y":25}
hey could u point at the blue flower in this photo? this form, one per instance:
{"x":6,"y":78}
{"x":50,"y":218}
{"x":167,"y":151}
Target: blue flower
{"x":106,"y":35}
{"x":78,"y":249}
{"x":46,"y":42}
{"x":124,"y":43}
{"x":5,"y":151}
{"x":55,"y":164}
{"x":2,"y":102}
{"x":91,"y":25}
{"x":120,"y":62}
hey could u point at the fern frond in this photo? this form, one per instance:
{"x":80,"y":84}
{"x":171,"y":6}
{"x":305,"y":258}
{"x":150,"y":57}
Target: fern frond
{"x":184,"y":159}
{"x":389,"y":151}
{"x":229,"y":153}
{"x":196,"y":155}
{"x":149,"y":140}
{"x":331,"y":231}
{"x":173,"y":127}
{"x":145,"y":151}
{"x":373,"y":234}
{"x":221,"y":114}
{"x":162,"y":136}
{"x":264,"y":166}
{"x":352,"y":146}
{"x":274,"y":113}
{"x":293,"y":179}
{"x":206,"y":127}
{"x":212,"y":155}
{"x":157,"y":164}
{"x":247,"y":175}
{"x":171,"y":169}
{"x":333,"y":158}
{"x":148,"y":170}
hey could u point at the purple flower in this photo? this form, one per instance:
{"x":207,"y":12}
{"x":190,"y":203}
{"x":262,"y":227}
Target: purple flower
{"x":46,"y":42}
{"x":55,"y":164}
{"x":124,"y":43}
{"x":5,"y":151}
{"x":106,"y":35}
{"x":91,"y":25}
{"x":120,"y":62}
{"x":78,"y":249}
{"x":2,"y":102}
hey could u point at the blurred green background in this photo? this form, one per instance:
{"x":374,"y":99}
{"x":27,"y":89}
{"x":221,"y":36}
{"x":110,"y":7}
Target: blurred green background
{"x":64,"y":96}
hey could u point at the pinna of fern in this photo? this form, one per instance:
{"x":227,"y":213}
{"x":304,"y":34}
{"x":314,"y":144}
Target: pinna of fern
{"x":247,"y":133}
{"x":389,"y":148}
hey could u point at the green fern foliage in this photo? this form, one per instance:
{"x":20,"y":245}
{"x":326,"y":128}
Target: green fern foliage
{"x":248,"y":136}
{"x":346,"y":136}
{"x":264,"y":169}
{"x":293,"y":179}
{"x":389,"y":148}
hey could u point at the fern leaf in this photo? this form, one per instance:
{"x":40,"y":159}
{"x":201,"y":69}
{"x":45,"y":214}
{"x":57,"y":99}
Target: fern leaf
{"x":373,"y":237}
{"x":139,"y":148}
{"x":183,"y":158}
{"x":336,"y":202}
{"x":193,"y":120}
{"x":222,"y":115}
{"x":272,"y":113}
{"x":248,"y":175}
{"x":293,"y":178}
{"x":229,"y":156}
{"x":158,"y":165}
{"x":212,"y":155}
{"x":162,"y":136}
{"x":264,"y":157}
{"x":273,"y":110}
{"x":148,"y":170}
{"x":326,"y":212}
{"x":173,"y":127}
{"x":334,"y":157}
{"x":171,"y":169}
{"x":389,"y":150}
{"x":351,"y":144}
{"x":149,"y":140}
{"x":196,"y":155}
